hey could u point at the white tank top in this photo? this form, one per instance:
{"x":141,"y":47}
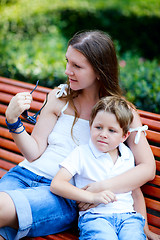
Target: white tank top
{"x":60,"y":144}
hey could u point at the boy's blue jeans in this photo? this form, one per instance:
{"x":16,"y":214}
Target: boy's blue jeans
{"x":121,"y":226}
{"x":39,"y":211}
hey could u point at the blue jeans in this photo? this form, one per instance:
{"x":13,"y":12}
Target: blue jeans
{"x":39,"y":211}
{"x":116,"y":226}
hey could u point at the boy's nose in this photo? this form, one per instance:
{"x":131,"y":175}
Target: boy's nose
{"x":104,"y":134}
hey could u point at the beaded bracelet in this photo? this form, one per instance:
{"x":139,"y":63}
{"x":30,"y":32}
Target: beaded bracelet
{"x":14,"y":126}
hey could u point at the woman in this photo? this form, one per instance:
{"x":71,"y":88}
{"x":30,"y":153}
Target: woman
{"x":28,"y":208}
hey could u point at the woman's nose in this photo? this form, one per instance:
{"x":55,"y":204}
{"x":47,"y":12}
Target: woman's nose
{"x":69,"y":71}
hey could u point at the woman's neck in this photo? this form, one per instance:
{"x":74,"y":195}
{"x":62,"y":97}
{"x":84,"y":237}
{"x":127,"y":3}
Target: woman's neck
{"x":84,"y":104}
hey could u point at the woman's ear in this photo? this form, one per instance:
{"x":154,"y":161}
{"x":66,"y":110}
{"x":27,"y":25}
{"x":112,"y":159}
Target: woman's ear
{"x":125,"y":136}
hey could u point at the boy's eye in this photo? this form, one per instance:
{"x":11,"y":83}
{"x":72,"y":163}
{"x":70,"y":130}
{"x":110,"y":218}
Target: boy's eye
{"x":98,"y":127}
{"x":111,"y":130}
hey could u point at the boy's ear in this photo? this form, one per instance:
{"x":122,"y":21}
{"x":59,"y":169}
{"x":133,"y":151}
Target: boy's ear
{"x":125,"y":136}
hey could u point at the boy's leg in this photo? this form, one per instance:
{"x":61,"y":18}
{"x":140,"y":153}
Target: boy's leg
{"x":131,"y":227}
{"x":95,"y":226}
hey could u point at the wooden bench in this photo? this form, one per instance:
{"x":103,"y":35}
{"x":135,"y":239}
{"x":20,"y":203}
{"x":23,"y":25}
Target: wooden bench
{"x":10,"y":154}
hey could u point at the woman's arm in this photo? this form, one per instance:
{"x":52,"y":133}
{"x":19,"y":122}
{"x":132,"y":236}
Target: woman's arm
{"x":144,"y":159}
{"x":60,"y":185}
{"x":135,"y":177}
{"x":32,"y":146}
{"x":140,"y":207}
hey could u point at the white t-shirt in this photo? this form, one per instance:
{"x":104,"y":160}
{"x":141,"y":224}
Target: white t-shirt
{"x":87,"y":164}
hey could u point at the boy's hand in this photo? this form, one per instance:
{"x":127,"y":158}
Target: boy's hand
{"x":101,"y":197}
{"x":104,"y":197}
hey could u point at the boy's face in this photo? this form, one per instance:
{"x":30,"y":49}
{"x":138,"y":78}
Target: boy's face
{"x":106,"y":133}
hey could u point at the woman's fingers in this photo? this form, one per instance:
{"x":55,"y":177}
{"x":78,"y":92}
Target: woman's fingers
{"x":18,"y":104}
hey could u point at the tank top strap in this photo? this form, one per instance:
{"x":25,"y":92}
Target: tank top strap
{"x":62,"y":90}
{"x":65,"y":107}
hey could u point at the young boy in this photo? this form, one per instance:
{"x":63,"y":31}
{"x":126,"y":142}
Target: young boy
{"x":104,"y":157}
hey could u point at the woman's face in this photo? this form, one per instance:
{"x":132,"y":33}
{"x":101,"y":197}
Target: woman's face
{"x":79,"y":71}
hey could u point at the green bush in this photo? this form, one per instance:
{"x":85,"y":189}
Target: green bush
{"x":34,"y":35}
{"x":41,"y":57}
{"x":134,"y":24}
{"x":140,"y":80}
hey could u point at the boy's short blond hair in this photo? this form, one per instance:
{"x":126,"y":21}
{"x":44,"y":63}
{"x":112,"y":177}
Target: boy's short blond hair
{"x":120,"y":107}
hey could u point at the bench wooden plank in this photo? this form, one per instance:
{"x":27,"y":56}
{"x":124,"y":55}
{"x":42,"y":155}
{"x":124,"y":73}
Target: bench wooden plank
{"x":149,"y":115}
{"x":154,"y":221}
{"x":10,"y":155}
{"x":152,"y":204}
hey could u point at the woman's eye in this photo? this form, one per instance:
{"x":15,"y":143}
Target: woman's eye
{"x":77,"y":66}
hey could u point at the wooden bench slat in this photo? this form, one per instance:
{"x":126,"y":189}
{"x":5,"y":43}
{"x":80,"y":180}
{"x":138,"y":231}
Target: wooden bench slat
{"x":153,"y":204}
{"x":152,"y":124}
{"x":153,"y":221}
{"x":13,"y":90}
{"x":3,"y":108}
{"x":36,"y":238}
{"x":13,"y":157}
{"x":5,"y":133}
{"x":2,"y":173}
{"x":154,"y":229}
{"x":153,"y":136}
{"x":59,"y":236}
{"x":6,"y":165}
{"x":10,"y":155}
{"x":23,"y":84}
{"x":9,"y":145}
{"x":149,"y":115}
{"x":156,"y":180}
{"x":151,"y":191}
{"x":155,"y":150}
{"x":158,"y":165}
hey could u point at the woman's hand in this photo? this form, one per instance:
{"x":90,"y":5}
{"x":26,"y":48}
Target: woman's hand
{"x":18,"y":104}
{"x":85,"y":206}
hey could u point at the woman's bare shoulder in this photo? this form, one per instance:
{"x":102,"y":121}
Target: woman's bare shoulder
{"x":136,"y":119}
{"x":54,"y":103}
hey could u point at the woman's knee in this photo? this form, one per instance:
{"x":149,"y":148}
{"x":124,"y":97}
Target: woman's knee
{"x":8,"y":216}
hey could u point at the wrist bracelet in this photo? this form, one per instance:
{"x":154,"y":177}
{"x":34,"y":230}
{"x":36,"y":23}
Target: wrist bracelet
{"x":14,"y":126}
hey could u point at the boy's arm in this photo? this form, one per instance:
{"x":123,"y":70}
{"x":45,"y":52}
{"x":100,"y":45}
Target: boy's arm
{"x":60,"y":186}
{"x":140,"y":207}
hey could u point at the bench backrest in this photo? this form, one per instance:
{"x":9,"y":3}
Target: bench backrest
{"x":10,"y":154}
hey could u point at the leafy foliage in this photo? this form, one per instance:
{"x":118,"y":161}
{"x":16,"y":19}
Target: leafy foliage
{"x":140,"y":80}
{"x":34,"y":36}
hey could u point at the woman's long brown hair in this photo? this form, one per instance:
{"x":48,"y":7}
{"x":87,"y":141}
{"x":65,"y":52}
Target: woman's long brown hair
{"x":99,"y":50}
